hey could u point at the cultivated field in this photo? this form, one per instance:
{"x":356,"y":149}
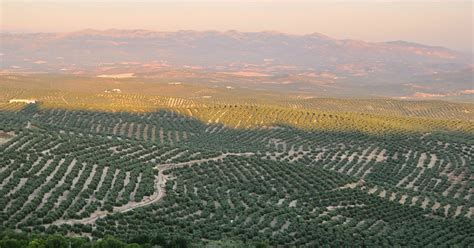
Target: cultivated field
{"x":293,"y":172}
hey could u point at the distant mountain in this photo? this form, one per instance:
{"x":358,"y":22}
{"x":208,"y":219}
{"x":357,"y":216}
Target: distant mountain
{"x":350,"y":62}
{"x":89,"y":47}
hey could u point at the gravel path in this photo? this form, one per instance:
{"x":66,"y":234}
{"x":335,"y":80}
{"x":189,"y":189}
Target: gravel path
{"x":160,"y":182}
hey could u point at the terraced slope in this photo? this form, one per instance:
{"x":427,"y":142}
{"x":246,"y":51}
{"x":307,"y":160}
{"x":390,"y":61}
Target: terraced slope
{"x":280,"y":176}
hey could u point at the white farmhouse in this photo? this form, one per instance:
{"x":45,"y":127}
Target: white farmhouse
{"x":113,"y":91}
{"x":27,"y":101}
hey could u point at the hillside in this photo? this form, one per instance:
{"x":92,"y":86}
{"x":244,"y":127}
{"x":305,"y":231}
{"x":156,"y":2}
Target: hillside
{"x":240,"y":168}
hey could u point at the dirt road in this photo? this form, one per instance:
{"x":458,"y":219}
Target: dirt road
{"x":160,"y":192}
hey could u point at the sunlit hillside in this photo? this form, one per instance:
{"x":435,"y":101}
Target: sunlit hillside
{"x":258,"y":167}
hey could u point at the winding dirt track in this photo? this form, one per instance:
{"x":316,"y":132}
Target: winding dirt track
{"x":160,"y":192}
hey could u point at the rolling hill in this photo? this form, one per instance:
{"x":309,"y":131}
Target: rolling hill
{"x":311,"y":63}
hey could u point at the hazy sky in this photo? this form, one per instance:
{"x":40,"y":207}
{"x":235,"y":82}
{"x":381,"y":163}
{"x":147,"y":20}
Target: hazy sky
{"x":446,"y":23}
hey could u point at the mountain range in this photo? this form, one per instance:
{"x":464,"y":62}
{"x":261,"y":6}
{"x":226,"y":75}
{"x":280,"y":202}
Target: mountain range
{"x":269,"y":55}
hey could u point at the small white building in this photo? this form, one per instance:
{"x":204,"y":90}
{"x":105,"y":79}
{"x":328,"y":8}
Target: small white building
{"x":27,"y":101}
{"x":113,"y":91}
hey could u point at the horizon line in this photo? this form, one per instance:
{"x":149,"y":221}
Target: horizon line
{"x":269,"y":31}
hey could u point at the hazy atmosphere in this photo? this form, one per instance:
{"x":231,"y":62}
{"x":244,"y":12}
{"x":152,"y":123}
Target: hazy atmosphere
{"x":260,"y":124}
{"x":437,"y":23}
